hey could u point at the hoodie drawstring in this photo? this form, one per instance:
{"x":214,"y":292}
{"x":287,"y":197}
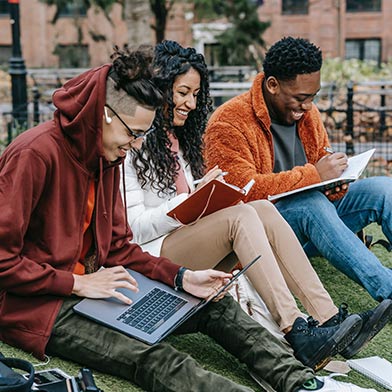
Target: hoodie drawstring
{"x":100,"y":192}
{"x":124,"y":195}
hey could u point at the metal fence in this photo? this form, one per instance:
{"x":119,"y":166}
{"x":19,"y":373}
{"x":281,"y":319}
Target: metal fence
{"x":37,"y":111}
{"x":357,"y":116}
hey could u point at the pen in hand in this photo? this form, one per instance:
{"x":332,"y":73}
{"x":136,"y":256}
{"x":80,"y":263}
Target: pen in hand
{"x":201,"y":179}
{"x":329,"y":149}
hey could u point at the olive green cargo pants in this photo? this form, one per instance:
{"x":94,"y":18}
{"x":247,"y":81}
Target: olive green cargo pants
{"x":161,"y":367}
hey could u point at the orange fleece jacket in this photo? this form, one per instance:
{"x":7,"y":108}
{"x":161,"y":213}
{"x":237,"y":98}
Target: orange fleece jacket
{"x":239,"y":140}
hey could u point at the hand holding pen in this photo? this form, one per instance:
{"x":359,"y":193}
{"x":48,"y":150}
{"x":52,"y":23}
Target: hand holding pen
{"x":331,"y":165}
{"x":329,"y":150}
{"x":214,"y":174}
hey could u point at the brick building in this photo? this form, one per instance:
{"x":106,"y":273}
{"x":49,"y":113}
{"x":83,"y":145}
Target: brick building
{"x":342,"y":28}
{"x":345,"y":28}
{"x":78,"y":42}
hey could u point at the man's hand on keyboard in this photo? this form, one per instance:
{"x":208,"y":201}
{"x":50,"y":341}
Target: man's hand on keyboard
{"x":103,"y":284}
{"x":205,"y":283}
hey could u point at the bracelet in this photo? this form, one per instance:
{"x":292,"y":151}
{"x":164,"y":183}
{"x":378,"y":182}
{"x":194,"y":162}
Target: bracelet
{"x":179,"y":278}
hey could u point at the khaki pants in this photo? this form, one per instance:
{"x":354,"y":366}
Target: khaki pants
{"x":162,"y":367}
{"x":243,"y":232}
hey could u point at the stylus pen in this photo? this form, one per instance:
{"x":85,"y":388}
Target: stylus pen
{"x":201,"y":179}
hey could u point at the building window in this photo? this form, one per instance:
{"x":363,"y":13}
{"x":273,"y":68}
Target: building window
{"x":5,"y":54}
{"x":4,"y":8}
{"x":295,"y":7}
{"x":364,"y":49}
{"x":72,"y":9}
{"x":73,"y":56}
{"x":363,"y":5}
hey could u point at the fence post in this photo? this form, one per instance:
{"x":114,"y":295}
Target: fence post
{"x":10,"y":128}
{"x":241,"y":75}
{"x":383,"y":126}
{"x":17,"y":69}
{"x":36,"y":97}
{"x":349,"y":134}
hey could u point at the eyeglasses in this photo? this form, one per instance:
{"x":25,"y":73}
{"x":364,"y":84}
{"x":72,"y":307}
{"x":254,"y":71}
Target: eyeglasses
{"x":136,"y":135}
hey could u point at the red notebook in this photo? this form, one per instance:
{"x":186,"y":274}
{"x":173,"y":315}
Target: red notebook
{"x":211,"y":197}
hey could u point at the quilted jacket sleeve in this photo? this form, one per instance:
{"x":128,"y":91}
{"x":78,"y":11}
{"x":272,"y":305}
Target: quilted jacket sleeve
{"x":148,"y":221}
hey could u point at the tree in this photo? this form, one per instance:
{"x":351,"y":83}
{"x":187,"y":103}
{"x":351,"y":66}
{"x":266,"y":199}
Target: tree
{"x":242,"y":42}
{"x":137,"y":16}
{"x":78,"y":5}
{"x":160,"y":9}
{"x":136,"y":13}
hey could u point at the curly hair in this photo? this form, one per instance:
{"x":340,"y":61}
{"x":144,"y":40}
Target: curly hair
{"x":155,"y":162}
{"x":132,"y":73}
{"x":290,"y":57}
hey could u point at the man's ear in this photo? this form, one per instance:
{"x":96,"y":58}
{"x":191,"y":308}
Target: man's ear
{"x":272,"y":85}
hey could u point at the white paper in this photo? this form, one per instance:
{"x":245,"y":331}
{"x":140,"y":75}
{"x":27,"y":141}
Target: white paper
{"x":376,"y":368}
{"x":356,"y":165}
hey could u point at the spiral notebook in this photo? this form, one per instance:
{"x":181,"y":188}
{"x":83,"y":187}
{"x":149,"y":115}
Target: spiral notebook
{"x":376,"y":368}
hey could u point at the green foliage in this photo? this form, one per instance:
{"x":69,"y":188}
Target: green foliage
{"x":341,"y":71}
{"x":104,"y":5}
{"x":242,"y":42}
{"x":209,"y":9}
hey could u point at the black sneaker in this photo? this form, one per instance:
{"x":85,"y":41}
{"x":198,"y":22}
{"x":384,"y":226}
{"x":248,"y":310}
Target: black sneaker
{"x":315,"y":346}
{"x":373,"y":321}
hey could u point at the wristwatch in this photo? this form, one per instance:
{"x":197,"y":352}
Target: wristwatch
{"x":179,"y":278}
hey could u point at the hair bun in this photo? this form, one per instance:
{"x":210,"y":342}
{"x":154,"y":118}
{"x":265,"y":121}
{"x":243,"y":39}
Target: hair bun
{"x":133,"y":65}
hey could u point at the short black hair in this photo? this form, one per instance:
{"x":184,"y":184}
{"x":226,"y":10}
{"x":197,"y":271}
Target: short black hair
{"x":290,"y":57}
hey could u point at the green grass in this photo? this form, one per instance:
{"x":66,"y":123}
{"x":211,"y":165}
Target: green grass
{"x":212,"y":357}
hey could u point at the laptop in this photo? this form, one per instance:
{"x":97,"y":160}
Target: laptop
{"x":157,"y":309}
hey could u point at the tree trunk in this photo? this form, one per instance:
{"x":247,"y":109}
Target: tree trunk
{"x":137,"y":15}
{"x":160,"y":9}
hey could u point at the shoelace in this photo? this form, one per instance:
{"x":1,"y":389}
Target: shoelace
{"x":313,"y":329}
{"x":312,"y":322}
{"x":343,"y":312}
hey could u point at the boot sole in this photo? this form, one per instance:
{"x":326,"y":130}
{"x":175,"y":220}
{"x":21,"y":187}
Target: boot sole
{"x":344,"y":336}
{"x":382,"y":314}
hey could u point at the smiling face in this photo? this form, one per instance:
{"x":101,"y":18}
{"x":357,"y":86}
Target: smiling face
{"x":185,"y":90}
{"x":116,"y":140}
{"x":287,"y":101}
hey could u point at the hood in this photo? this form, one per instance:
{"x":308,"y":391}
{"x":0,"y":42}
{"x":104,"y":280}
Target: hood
{"x":80,"y":104}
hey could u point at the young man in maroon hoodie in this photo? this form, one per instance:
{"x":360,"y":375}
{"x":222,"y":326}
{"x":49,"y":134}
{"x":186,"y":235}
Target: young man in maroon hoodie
{"x":62,"y":219}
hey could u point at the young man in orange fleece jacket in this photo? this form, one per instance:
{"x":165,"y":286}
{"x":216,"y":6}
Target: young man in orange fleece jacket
{"x":274,"y":134}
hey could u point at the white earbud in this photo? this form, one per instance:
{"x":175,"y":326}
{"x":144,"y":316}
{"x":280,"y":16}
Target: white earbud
{"x":107,"y":118}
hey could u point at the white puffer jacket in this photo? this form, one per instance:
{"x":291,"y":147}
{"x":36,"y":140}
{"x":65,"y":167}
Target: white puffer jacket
{"x":146,"y":210}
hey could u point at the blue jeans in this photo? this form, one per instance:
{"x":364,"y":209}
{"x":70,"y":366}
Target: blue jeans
{"x":330,"y":227}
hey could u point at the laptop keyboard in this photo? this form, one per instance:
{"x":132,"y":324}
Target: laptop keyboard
{"x":152,"y":310}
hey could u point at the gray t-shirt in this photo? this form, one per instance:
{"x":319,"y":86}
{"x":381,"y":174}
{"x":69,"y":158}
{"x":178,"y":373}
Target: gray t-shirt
{"x":288,"y":148}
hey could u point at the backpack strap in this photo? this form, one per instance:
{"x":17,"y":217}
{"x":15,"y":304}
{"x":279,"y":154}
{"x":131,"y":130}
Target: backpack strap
{"x":11,"y":381}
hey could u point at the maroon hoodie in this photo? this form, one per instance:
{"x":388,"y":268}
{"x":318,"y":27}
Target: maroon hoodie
{"x":44,"y":177}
